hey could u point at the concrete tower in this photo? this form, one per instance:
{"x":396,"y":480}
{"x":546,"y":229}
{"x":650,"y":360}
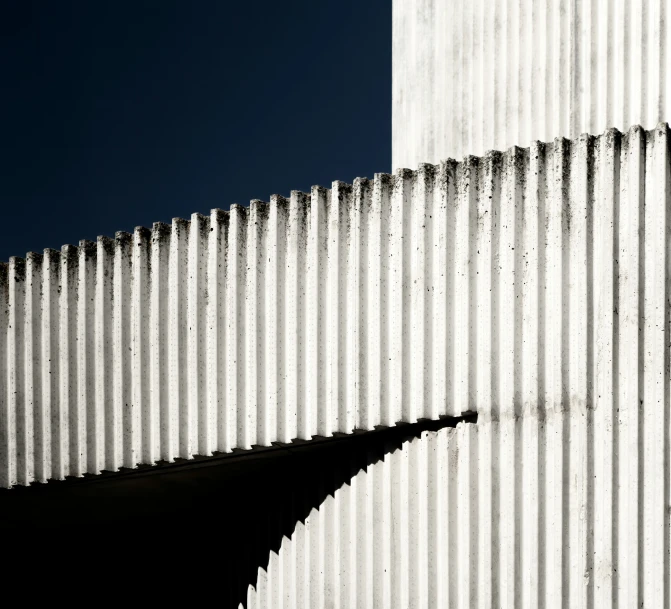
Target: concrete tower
{"x":477,"y":75}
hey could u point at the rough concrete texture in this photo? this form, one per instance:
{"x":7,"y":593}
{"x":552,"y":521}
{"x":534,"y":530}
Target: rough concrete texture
{"x":559,"y":288}
{"x":528,"y":281}
{"x":552,"y":510}
{"x":477,"y":75}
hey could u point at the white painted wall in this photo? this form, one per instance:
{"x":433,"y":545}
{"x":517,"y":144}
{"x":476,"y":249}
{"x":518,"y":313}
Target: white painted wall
{"x":477,"y":75}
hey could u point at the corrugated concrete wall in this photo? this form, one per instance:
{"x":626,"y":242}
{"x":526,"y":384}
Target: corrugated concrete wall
{"x":534,"y":280}
{"x":477,"y":75}
{"x":551,"y":510}
{"x":560,"y":495}
{"x":318,"y":314}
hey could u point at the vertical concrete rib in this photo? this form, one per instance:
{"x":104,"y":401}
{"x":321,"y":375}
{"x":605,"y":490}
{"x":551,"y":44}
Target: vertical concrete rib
{"x":82,"y":420}
{"x":654,"y":359}
{"x":354,"y":297}
{"x":577,"y":226}
{"x":419,"y":286}
{"x":629,"y":352}
{"x":198,"y":430}
{"x":213,"y":421}
{"x":342,"y":205}
{"x":280,"y":414}
{"x":32,"y":366}
{"x":295,"y":299}
{"x":121,"y":425}
{"x":375,"y":307}
{"x":463,"y":229}
{"x":318,"y":413}
{"x":606,"y":206}
{"x":235,"y":324}
{"x":157,"y":433}
{"x":7,"y":414}
{"x":554,"y":380}
{"x":140,"y":416}
{"x":50,"y":368}
{"x":398,"y":294}
{"x":250,"y":419}
{"x":15,"y":355}
{"x":68,"y":359}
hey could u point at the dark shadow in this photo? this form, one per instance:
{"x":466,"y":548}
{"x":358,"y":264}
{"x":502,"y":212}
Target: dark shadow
{"x":180,"y":532}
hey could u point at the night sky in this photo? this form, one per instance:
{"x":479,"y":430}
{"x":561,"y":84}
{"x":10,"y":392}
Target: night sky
{"x":117,"y":114}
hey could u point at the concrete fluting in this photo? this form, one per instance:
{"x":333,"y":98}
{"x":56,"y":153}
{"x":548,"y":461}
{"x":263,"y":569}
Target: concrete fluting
{"x":535,"y":280}
{"x":477,"y":75}
{"x":548,"y":511}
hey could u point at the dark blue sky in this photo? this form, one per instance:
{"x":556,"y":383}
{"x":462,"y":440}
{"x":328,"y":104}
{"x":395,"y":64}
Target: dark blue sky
{"x":121,"y":113}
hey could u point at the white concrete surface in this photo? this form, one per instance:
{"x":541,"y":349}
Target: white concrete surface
{"x":530,"y":279}
{"x":551,"y":510}
{"x":477,"y":75}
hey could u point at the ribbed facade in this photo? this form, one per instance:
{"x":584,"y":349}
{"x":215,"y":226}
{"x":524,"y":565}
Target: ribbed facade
{"x":551,"y":510}
{"x":559,"y":496}
{"x":531,"y":281}
{"x":477,"y":75}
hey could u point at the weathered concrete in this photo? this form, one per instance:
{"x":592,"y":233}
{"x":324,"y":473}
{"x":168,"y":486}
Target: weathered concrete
{"x":477,"y":75}
{"x":559,"y":496}
{"x":502,"y":285}
{"x":555,"y":509}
